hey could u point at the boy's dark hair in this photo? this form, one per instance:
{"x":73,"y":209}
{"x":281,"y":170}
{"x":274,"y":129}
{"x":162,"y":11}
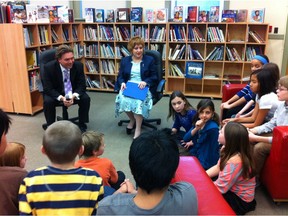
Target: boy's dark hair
{"x":5,"y":122}
{"x":267,"y":81}
{"x":179,"y":94}
{"x":203,"y":104}
{"x":153,"y":159}
{"x":92,"y":142}
{"x":62,"y":141}
{"x":61,"y":50}
{"x":237,"y":141}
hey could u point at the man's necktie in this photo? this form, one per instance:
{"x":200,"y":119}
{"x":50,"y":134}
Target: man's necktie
{"x":67,"y":83}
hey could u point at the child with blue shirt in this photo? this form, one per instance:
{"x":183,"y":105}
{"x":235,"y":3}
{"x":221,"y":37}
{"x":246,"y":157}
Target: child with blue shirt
{"x":202,"y":138}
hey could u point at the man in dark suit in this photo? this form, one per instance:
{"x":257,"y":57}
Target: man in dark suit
{"x":64,"y":81}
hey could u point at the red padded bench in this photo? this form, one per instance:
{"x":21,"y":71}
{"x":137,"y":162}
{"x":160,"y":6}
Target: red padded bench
{"x":210,"y":200}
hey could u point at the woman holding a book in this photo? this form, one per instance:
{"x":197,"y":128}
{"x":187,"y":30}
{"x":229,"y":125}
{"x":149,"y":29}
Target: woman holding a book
{"x":138,"y":68}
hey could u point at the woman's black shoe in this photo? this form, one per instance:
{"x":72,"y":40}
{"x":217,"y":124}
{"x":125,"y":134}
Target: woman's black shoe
{"x":129,"y":130}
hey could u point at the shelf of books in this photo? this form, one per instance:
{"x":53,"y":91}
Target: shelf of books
{"x":198,"y":57}
{"x":26,"y":42}
{"x":106,"y":43}
{"x":204,"y":56}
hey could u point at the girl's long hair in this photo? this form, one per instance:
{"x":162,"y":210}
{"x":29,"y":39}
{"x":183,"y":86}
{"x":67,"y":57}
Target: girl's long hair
{"x":267,"y":78}
{"x":237,"y":141}
{"x":187,"y":106}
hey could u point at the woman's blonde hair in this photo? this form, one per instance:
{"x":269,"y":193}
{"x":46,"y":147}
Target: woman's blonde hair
{"x":135,"y":41}
{"x":13,"y":154}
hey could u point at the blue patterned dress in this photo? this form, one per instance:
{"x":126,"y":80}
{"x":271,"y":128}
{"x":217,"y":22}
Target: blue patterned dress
{"x":127,"y":104}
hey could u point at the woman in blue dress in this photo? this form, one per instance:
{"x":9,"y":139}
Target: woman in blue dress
{"x":139,"y":68}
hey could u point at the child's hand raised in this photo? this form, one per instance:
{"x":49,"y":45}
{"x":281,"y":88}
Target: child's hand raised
{"x":199,"y":124}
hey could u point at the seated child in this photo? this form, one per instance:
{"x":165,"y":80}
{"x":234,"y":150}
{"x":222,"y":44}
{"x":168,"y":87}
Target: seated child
{"x":238,"y":101}
{"x":153,"y":160}
{"x":263,"y":143}
{"x":12,"y":164}
{"x":202,"y":139}
{"x":263,"y":83}
{"x":93,"y":148}
{"x":235,"y":169}
{"x":182,"y":113}
{"x":61,"y":189}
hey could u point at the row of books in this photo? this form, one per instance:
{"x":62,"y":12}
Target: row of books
{"x":141,"y":31}
{"x":106,"y":66}
{"x":233,"y":55}
{"x":175,"y":70}
{"x":134,"y":14}
{"x":252,"y":51}
{"x":177,"y":53}
{"x":158,"y":34}
{"x":20,"y":12}
{"x":193,"y":54}
{"x":193,"y":70}
{"x":216,"y":54}
{"x":92,"y":66}
{"x":106,"y":51}
{"x":105,"y":84}
{"x":177,"y":33}
{"x":256,"y":37}
{"x":215,"y":34}
{"x":195,"y":35}
{"x":43,"y":35}
{"x":194,"y":14}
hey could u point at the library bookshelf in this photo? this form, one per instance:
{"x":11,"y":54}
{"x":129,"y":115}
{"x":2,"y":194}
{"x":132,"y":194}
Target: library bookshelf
{"x":21,"y":45}
{"x":100,"y":47}
{"x":236,"y":46}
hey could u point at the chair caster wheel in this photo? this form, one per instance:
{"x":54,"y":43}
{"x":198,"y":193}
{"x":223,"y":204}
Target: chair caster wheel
{"x":158,"y":122}
{"x":44,"y":126}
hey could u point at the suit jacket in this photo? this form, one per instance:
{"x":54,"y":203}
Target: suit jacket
{"x":147,"y":70}
{"x":53,"y":84}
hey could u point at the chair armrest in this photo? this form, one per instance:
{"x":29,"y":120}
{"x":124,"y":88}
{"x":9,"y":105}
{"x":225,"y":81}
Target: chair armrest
{"x":160,"y":86}
{"x":274,"y":174}
{"x":229,"y":90}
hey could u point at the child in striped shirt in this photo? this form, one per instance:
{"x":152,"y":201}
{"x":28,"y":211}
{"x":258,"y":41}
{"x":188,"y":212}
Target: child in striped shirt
{"x":235,"y":169}
{"x":61,"y":189}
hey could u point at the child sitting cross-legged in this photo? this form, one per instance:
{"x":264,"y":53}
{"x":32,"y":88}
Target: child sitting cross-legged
{"x":94,"y":145}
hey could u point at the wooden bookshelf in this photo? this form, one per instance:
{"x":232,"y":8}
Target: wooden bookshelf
{"x":21,"y":45}
{"x":100,"y":47}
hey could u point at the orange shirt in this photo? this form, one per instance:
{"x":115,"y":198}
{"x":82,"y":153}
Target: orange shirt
{"x":103,"y":166}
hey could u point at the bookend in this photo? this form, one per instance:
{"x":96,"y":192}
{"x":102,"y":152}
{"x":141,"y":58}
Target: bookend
{"x":159,"y":92}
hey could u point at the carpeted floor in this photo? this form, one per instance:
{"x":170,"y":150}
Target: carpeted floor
{"x":28,"y":130}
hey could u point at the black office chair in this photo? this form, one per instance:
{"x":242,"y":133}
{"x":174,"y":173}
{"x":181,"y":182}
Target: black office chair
{"x":45,"y":57}
{"x":159,"y":92}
